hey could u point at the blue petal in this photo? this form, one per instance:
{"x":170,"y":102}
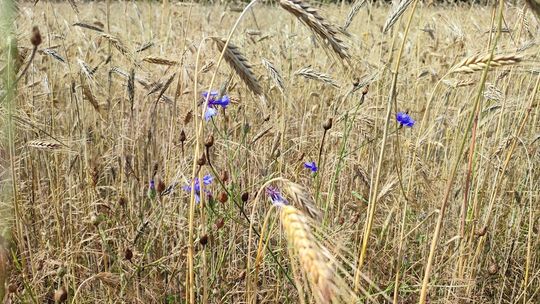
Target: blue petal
{"x":212,"y":94}
{"x":207,"y":179}
{"x":210,"y":112}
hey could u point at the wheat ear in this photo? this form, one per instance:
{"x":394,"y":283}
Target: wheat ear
{"x":479,"y":62}
{"x":274,"y":74}
{"x":44,"y":145}
{"x":314,"y":264}
{"x":240,"y":65}
{"x":320,"y":26}
{"x":395,"y":14}
{"x":352,"y":13}
{"x":315,"y":75}
{"x":303,"y":199}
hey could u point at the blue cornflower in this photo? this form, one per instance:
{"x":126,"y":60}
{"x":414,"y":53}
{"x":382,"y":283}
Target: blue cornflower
{"x":404,"y":119}
{"x":275,"y":196}
{"x":311,"y":166}
{"x":214,"y":102}
{"x":207,"y":180}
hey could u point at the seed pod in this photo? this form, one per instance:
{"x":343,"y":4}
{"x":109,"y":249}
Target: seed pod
{"x":160,"y":186}
{"x":209,"y":142}
{"x":245,"y":197}
{"x":128,"y":254}
{"x":122,"y":201}
{"x":36,"y":37}
{"x":220,"y":223}
{"x":327,"y":125}
{"x":223,"y":197}
{"x":202,"y":160}
{"x":225,"y":176}
{"x":203,"y":240}
{"x":182,"y":136}
{"x":12,"y":288}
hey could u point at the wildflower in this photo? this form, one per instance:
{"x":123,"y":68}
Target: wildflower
{"x":207,"y":180}
{"x":214,"y":102}
{"x":311,"y":166}
{"x":152,"y":190}
{"x":275,"y":196}
{"x":404,"y":119}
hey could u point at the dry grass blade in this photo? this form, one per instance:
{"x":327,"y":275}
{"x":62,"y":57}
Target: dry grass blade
{"x":131,"y":88}
{"x":44,"y":145}
{"x":274,"y":74}
{"x":395,"y":14}
{"x":312,"y":74}
{"x":311,"y":18}
{"x":303,"y":199}
{"x":159,"y":61}
{"x":352,"y":13}
{"x":88,"y":26}
{"x":479,"y":62}
{"x":240,"y":64}
{"x":121,"y":47}
{"x":144,"y":47}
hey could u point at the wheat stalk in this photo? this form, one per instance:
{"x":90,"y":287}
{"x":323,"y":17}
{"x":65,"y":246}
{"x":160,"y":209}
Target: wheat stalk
{"x":320,"y":26}
{"x":240,"y":65}
{"x":274,"y":74}
{"x":395,"y":14}
{"x":315,"y":75}
{"x":352,"y":13}
{"x":479,"y":62}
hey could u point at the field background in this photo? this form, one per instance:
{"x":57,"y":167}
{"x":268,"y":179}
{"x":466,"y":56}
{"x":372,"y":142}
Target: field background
{"x":83,"y":224}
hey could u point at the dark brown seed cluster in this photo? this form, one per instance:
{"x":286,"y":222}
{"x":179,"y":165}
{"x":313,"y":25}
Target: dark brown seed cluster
{"x":36,"y":37}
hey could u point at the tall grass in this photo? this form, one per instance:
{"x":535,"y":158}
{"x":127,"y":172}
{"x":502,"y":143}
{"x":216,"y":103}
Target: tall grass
{"x":123,"y":182}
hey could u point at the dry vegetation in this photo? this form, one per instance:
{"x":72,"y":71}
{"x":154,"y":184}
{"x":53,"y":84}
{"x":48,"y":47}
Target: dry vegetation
{"x":110,"y":99}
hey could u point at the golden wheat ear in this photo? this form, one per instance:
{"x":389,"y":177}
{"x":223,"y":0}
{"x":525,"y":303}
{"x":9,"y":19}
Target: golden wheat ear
{"x":320,"y":26}
{"x":303,"y":200}
{"x":240,"y":65}
{"x":479,"y":62}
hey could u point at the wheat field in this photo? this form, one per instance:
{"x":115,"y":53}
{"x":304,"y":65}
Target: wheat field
{"x":272,"y":152}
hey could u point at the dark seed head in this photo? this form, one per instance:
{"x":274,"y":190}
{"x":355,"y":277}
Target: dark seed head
{"x":160,"y":186}
{"x":327,"y":125}
{"x":122,"y":201}
{"x":209,"y":142}
{"x":12,"y":288}
{"x":245,"y":197}
{"x":225,"y":176}
{"x":182,"y":136}
{"x":223,"y":197}
{"x":36,"y":36}
{"x":220,"y":223}
{"x":204,"y":240}
{"x":128,"y":254}
{"x":202,"y":160}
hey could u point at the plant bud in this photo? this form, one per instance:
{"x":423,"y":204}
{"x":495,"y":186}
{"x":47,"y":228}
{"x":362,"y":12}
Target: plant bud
{"x":327,"y":125}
